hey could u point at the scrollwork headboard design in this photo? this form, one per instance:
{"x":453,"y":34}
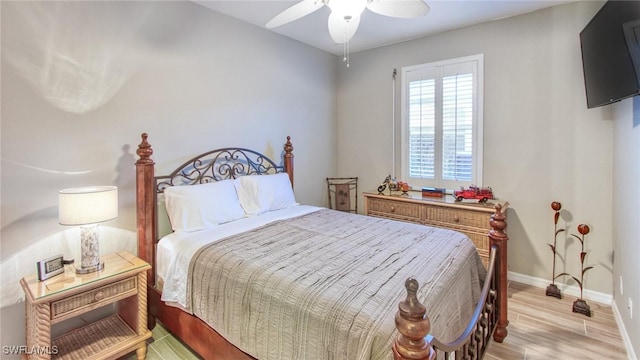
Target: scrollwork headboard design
{"x":217,"y":165}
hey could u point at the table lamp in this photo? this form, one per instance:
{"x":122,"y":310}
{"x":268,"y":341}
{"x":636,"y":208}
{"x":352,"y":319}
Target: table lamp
{"x":87,"y":207}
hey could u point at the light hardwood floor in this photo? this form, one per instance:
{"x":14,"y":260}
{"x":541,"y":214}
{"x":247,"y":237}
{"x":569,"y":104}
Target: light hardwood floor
{"x":540,"y":327}
{"x":543,"y":327}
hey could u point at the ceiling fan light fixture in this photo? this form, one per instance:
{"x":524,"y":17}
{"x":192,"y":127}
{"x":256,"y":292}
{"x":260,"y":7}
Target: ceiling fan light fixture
{"x":342,"y":27}
{"x":347,"y":9}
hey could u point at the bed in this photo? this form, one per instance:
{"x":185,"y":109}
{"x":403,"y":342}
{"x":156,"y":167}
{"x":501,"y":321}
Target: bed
{"x":268,"y":278}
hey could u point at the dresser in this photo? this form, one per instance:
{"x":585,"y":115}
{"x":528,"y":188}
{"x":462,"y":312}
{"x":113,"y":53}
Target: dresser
{"x":69,"y":295}
{"x":470,"y":218}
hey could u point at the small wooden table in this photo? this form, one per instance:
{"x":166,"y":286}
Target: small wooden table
{"x":122,"y":281}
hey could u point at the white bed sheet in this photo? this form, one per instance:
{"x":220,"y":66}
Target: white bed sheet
{"x":174,"y":251}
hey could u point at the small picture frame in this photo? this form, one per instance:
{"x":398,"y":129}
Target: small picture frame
{"x":50,"y":267}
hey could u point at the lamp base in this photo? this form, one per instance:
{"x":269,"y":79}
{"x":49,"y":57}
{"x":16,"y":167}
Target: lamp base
{"x":89,"y":269}
{"x":90,"y":250}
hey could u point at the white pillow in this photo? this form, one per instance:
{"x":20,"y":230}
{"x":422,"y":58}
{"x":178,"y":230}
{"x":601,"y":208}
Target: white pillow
{"x":262,"y":193}
{"x":197,"y":207}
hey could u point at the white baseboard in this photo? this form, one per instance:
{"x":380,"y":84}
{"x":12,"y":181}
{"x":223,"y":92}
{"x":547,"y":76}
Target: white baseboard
{"x":625,"y":337}
{"x":596,"y":296}
{"x":588,"y":295}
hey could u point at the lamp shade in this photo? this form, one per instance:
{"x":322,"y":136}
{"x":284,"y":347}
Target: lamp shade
{"x":87,"y":205}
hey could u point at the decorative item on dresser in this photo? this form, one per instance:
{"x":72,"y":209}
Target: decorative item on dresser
{"x":434,"y":192}
{"x":388,"y":183}
{"x":123,"y":281}
{"x":482,"y":194}
{"x":346,"y":254}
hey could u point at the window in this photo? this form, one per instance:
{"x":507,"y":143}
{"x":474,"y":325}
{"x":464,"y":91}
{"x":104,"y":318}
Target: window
{"x":442,"y":123}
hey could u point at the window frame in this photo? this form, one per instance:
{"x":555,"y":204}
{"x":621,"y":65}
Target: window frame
{"x":477,"y":124}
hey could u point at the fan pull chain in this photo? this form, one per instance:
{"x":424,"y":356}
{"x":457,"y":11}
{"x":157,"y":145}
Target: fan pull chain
{"x":345,"y":47}
{"x":346,"y":53}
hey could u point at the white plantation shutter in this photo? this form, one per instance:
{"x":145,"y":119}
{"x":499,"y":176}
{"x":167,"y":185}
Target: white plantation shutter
{"x":422,"y":128}
{"x":457,"y":127}
{"x":442,"y":123}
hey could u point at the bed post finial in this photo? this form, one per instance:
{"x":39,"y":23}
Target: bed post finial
{"x":144,"y":151}
{"x":288,"y":159}
{"x":499,"y":239}
{"x":413,"y":326}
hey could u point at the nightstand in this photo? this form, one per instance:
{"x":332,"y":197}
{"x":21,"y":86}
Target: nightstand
{"x":122,"y":281}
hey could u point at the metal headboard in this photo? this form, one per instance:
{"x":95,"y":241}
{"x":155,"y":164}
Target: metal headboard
{"x":217,"y":165}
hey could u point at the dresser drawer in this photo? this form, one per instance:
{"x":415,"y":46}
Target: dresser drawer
{"x":395,"y":209}
{"x":455,"y":218}
{"x":104,"y":295}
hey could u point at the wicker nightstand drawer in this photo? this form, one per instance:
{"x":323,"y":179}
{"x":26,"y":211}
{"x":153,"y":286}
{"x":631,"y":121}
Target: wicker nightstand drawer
{"x":457,"y":217}
{"x":97,"y":297}
{"x":395,"y":209}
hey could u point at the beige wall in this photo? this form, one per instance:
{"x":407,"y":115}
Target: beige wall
{"x":82,"y":80}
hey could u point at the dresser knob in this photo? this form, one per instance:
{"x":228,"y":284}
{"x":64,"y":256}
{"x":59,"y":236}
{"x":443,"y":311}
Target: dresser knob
{"x":99,"y":295}
{"x":392,"y":209}
{"x":456,"y":218}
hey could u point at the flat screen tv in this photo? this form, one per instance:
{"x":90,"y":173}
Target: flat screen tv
{"x":611,"y":53}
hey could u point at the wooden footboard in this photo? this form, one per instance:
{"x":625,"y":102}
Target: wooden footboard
{"x":489,"y":318}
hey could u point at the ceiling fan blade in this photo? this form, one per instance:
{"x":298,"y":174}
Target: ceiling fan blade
{"x":399,"y":8}
{"x":295,"y":12}
{"x":342,"y":30}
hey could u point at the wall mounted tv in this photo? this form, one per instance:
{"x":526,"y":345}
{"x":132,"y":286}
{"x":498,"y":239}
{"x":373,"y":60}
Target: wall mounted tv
{"x":611,"y":53}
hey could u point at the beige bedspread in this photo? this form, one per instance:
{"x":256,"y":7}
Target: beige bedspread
{"x":326,"y":285}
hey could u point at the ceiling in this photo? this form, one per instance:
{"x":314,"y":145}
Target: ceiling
{"x":376,"y":30}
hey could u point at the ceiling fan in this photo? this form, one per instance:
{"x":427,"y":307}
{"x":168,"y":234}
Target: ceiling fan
{"x":345,"y":14}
